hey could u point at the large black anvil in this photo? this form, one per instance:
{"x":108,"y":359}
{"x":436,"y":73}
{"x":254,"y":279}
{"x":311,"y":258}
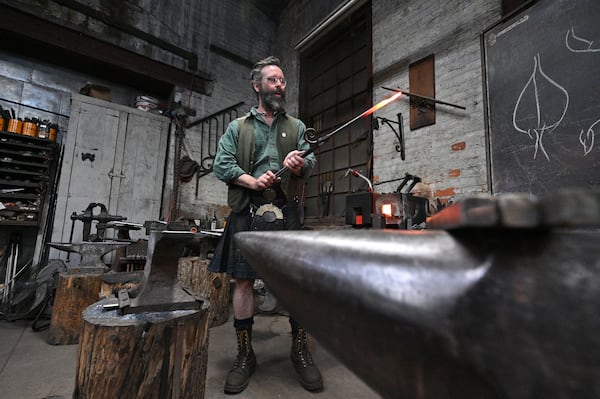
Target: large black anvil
{"x":498,"y":298}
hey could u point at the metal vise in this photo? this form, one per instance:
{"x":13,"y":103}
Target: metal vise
{"x":500,"y":301}
{"x":87,"y":217}
{"x":93,"y":247}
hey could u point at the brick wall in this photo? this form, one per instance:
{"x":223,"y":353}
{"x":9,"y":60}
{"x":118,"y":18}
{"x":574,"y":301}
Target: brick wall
{"x":450,"y":156}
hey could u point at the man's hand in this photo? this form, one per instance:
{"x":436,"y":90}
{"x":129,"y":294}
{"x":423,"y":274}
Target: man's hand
{"x":294,"y":162}
{"x":263,"y":182}
{"x":266,"y":180}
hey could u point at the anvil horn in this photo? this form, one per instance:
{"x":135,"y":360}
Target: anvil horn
{"x":430,"y":314}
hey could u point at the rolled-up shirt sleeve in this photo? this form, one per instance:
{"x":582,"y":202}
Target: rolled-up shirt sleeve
{"x":226,"y":166}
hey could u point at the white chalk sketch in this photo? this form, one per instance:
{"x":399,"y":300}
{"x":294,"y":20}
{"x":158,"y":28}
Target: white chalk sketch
{"x":578,"y":44}
{"x":587,"y":140}
{"x":539,"y":88}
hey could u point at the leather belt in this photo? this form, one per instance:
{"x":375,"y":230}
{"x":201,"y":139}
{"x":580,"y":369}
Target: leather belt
{"x":272,"y":195}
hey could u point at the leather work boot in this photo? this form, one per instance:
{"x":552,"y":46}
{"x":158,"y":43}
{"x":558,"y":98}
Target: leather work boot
{"x":244,"y":365}
{"x":309,"y":374}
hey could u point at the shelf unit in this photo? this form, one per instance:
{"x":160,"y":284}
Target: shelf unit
{"x":28,"y":169}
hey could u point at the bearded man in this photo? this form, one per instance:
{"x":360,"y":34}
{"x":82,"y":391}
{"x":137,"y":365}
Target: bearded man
{"x":250,"y":152}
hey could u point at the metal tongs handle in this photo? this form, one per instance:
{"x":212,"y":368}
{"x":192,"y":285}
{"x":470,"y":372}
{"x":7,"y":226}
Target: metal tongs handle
{"x":281,"y":171}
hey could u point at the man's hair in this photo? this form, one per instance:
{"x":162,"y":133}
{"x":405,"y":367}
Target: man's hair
{"x":256,"y":75}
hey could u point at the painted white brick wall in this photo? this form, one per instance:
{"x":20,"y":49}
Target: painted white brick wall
{"x":449,"y":156}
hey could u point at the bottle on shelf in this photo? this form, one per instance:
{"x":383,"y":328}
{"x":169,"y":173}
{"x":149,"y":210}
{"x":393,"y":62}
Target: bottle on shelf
{"x":213,"y":222}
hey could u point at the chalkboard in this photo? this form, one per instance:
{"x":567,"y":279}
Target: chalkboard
{"x":543,"y":98}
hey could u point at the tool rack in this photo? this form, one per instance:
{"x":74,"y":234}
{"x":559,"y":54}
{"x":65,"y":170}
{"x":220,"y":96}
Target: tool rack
{"x":28,"y":168}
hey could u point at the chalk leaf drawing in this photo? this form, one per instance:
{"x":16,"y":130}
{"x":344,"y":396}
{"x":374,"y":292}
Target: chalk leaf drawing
{"x":539,"y":90}
{"x":587,"y":139}
{"x":578,"y":44}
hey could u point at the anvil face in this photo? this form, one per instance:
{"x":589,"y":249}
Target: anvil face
{"x":472,"y":313}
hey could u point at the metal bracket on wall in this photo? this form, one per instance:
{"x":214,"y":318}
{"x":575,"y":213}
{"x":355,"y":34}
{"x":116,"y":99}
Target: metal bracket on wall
{"x":399,"y":134}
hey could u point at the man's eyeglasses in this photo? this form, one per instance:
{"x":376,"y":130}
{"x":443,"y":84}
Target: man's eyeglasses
{"x":274,"y":80}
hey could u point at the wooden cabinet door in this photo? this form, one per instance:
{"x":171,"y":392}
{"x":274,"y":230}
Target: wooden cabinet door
{"x":114,"y":155}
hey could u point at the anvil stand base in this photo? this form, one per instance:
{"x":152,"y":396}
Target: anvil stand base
{"x":142,"y":355}
{"x":77,"y":289}
{"x":74,"y":292}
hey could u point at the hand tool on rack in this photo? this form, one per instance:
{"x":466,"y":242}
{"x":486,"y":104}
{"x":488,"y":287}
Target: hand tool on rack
{"x":11,"y":268}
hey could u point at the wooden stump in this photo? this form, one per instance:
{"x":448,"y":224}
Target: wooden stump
{"x":74,"y":293}
{"x":194,"y":276}
{"x":153,"y":355}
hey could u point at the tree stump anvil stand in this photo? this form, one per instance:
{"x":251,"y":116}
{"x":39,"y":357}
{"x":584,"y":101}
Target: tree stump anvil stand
{"x":160,"y":355}
{"x":78,"y":288}
{"x":152,"y":346}
{"x":193,"y":275}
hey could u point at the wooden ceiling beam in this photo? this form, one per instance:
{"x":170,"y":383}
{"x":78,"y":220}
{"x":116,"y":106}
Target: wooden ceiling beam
{"x":34,"y":36}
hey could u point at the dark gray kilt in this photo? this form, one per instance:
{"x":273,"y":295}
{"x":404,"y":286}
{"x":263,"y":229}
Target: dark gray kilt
{"x":227,"y":257}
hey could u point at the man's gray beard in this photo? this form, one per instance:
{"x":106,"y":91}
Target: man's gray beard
{"x":272,"y":103}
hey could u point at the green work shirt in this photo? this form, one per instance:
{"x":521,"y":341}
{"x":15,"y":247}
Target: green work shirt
{"x":266,"y":156}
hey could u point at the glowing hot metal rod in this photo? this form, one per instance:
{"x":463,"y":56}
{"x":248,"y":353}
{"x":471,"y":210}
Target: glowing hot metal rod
{"x":324,"y":139}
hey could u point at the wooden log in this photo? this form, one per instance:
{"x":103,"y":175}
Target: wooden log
{"x":74,"y":293}
{"x":194,"y":276}
{"x":153,"y":355}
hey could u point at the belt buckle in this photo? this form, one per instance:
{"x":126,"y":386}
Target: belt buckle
{"x":270,"y":213}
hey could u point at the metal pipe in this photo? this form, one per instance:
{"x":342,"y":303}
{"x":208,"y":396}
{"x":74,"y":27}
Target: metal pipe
{"x":329,"y":22}
{"x":7,"y":276}
{"x":424,"y":97}
{"x":13,"y":272}
{"x":356,"y":173}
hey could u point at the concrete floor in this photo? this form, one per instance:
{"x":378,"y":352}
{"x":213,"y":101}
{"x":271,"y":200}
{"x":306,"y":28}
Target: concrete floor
{"x":30,"y":368}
